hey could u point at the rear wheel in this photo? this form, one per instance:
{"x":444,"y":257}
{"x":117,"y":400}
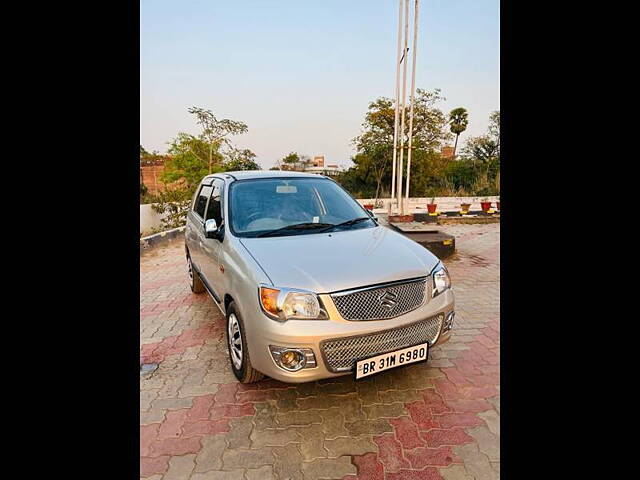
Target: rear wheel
{"x":238,"y":351}
{"x":194,"y":280}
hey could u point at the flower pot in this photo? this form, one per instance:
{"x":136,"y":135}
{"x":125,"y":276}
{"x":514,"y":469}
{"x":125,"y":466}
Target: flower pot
{"x":498,"y":204}
{"x":369,"y":206}
{"x":465,"y":208}
{"x":486,"y":206}
{"x":431,"y":207}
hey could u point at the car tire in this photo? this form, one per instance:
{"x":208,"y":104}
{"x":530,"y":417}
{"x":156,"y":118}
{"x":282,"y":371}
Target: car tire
{"x":242,"y":368}
{"x":194,"y":279}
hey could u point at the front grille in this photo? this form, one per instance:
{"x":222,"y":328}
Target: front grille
{"x":341,"y":354}
{"x":379,"y":303}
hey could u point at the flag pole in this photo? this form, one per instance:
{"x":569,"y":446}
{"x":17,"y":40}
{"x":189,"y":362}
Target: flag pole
{"x":397,"y":105}
{"x":413,"y":91}
{"x":404,"y":100}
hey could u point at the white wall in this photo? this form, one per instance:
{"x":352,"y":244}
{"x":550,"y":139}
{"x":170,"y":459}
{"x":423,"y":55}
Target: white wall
{"x":148,"y":218}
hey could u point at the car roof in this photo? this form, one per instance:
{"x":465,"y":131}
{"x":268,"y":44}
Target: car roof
{"x":250,"y":174}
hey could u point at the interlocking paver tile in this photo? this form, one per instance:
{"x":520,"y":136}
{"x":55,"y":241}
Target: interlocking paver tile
{"x":350,"y":446}
{"x":369,"y":468}
{"x":377,"y":426}
{"x":492,"y":418}
{"x":298,"y":418}
{"x":288,"y":463}
{"x":437,"y":437}
{"x":475,"y":462}
{"x":455,"y":472}
{"x":488,"y":443}
{"x":312,"y":444}
{"x":247,"y":458}
{"x":325,"y":468}
{"x":150,"y":466}
{"x":424,"y":456}
{"x":220,"y":475}
{"x":180,"y":467}
{"x":406,"y":432}
{"x":438,"y":420}
{"x":262,"y":473}
{"x":273,"y":437}
{"x":210,"y":457}
{"x":390,"y":453}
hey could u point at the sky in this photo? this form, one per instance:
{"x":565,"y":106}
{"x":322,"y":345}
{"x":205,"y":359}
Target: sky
{"x":301,"y":74}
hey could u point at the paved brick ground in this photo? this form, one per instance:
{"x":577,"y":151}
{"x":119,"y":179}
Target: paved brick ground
{"x":439,"y":420}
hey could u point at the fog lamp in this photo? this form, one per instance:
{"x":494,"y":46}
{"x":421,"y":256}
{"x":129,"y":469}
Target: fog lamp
{"x":293,"y":359}
{"x":448,"y":323}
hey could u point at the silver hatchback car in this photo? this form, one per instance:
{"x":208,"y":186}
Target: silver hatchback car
{"x":310,"y":284}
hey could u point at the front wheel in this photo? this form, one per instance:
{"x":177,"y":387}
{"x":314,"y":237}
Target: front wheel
{"x":238,"y":352}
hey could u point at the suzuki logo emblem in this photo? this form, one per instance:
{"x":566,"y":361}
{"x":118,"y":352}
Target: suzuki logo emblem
{"x":388,"y":299}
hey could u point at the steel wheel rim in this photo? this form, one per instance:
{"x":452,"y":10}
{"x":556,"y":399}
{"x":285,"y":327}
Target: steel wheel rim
{"x":235,"y":341}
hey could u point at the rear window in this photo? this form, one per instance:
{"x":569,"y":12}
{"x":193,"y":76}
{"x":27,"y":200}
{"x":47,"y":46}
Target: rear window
{"x":201,"y":201}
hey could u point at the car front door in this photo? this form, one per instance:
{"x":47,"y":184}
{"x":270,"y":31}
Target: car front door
{"x":212,"y":247}
{"x":195,"y":227}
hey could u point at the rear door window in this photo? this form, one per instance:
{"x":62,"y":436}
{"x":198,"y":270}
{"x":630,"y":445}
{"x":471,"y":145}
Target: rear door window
{"x":200,"y":204}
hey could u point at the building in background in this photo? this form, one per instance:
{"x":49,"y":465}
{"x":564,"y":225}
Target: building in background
{"x":447,"y":152}
{"x":329,"y":170}
{"x":151,"y":169}
{"x":316,"y":165}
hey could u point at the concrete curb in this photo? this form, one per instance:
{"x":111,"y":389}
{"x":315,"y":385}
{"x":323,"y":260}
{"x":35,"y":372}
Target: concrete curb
{"x":151,"y":241}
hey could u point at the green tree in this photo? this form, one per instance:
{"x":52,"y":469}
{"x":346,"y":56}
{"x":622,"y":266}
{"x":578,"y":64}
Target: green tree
{"x":458,"y":121}
{"x":241,"y":160}
{"x":191,"y":158}
{"x":290,"y":161}
{"x":479,"y":171}
{"x":374,"y":147}
{"x":485,"y":148}
{"x":215,"y":131}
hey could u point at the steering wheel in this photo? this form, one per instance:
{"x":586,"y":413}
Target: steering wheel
{"x":302,"y":213}
{"x":250,"y":216}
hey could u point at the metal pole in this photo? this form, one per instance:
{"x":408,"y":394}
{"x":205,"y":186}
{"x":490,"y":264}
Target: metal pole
{"x":413,"y":91}
{"x":397,"y":111}
{"x":404,"y":101}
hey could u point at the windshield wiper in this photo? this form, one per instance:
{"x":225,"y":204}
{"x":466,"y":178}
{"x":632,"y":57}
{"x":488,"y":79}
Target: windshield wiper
{"x":296,"y":226}
{"x":348,"y":223}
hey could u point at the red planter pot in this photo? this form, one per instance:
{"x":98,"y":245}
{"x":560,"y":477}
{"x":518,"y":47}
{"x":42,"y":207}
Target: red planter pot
{"x":369,"y":207}
{"x":486,"y":206}
{"x":431,"y":207}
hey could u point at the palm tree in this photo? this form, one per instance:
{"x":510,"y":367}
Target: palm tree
{"x":458,"y":121}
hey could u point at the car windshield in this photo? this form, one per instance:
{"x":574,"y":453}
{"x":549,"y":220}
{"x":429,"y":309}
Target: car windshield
{"x":292,"y":206}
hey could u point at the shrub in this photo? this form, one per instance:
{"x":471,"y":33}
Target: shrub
{"x":175,"y":203}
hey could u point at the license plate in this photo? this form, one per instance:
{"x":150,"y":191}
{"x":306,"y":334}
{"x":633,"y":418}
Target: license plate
{"x":387,"y":361}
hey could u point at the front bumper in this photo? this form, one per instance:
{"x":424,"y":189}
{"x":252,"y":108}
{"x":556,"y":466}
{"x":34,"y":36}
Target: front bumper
{"x":311,"y":333}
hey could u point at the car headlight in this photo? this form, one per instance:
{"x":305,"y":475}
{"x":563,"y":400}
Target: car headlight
{"x":441,"y":279}
{"x":285,"y":304}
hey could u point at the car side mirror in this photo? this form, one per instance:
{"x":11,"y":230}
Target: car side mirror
{"x":211,"y":229}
